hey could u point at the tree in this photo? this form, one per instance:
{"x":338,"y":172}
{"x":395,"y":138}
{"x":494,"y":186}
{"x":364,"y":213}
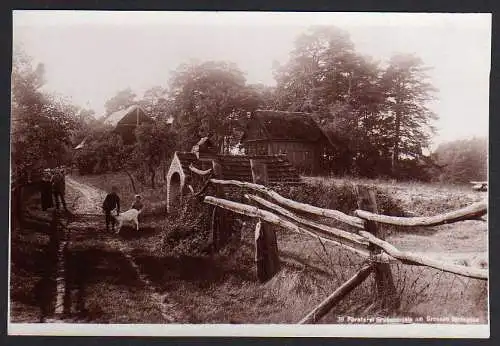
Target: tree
{"x":327,"y":77}
{"x":85,"y":124}
{"x":155,"y":142}
{"x":100,"y":153}
{"x":41,"y":123}
{"x":408,"y":91}
{"x":209,"y":98}
{"x":261,"y":95}
{"x":318,"y":72}
{"x":122,"y":100}
{"x":463,"y":160}
{"x":155,"y":104}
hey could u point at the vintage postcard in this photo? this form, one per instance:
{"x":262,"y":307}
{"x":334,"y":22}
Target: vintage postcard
{"x":249,"y":174}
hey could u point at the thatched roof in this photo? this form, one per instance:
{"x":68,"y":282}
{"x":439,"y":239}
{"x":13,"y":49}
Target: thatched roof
{"x":278,"y":125}
{"x":116,"y":117}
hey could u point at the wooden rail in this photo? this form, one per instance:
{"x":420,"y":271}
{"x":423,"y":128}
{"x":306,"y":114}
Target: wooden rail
{"x":410,"y":258}
{"x":392,"y":251}
{"x":365,"y":240}
{"x":472,"y":211}
{"x":334,"y":214}
{"x":199,"y":171}
{"x":249,"y":210}
{"x":327,"y":304}
{"x":329,"y":230}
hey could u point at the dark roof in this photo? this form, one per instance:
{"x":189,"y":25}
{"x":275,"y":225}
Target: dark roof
{"x":115,"y":118}
{"x":277,"y":125}
{"x":237,"y":167}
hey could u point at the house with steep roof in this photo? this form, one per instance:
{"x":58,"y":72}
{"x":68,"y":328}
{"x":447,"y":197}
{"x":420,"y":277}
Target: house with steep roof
{"x":294,"y":134}
{"x":125,"y":122}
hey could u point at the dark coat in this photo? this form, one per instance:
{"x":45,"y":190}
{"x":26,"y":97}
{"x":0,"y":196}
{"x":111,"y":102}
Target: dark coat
{"x":111,"y":202}
{"x":58,"y":182}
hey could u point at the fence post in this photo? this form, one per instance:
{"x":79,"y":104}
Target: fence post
{"x":386,"y":289}
{"x":217,"y":222}
{"x":266,"y":245}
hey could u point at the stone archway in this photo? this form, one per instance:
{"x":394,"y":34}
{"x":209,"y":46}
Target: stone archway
{"x":174,"y":191}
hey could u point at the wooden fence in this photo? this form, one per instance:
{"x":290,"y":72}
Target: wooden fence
{"x":362,"y":235}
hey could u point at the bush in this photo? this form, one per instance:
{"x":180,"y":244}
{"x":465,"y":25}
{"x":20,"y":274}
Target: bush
{"x":338,"y":196}
{"x":187,"y":231}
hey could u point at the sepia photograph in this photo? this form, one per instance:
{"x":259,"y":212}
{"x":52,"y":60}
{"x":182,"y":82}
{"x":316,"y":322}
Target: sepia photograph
{"x":249,"y":174}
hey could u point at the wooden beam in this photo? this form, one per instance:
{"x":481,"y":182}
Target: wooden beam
{"x":387,"y":294}
{"x":334,"y":214}
{"x":329,"y":230}
{"x":266,"y":244}
{"x":252,"y":211}
{"x":259,"y":172}
{"x":266,"y":252}
{"x":326,"y":305}
{"x":199,"y":171}
{"x":470,"y":212}
{"x":410,"y":258}
{"x":219,"y":231}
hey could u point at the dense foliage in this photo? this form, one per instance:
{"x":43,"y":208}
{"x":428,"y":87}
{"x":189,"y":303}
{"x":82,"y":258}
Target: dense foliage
{"x":212,"y":99}
{"x":464,"y":160}
{"x":42,"y":124}
{"x":375,"y":113}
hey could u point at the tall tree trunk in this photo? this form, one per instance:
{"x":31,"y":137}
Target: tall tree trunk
{"x":395,"y":149}
{"x":131,"y":181}
{"x":397,"y":135}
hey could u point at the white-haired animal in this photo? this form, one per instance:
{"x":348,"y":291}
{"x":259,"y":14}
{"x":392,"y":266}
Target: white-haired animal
{"x":131,"y":215}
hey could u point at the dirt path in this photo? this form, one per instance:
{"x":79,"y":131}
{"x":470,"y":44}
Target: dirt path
{"x":90,"y":198}
{"x":88,"y":203}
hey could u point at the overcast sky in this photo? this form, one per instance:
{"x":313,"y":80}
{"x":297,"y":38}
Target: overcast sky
{"x":89,"y":56}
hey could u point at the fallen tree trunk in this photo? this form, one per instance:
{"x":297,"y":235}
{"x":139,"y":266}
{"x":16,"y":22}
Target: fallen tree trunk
{"x":325,"y":306}
{"x":471,"y":212}
{"x":409,"y":258}
{"x":334,"y":214}
{"x":249,"y":210}
{"x":329,"y":230}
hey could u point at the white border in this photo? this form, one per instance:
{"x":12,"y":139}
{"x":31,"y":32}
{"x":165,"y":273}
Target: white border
{"x":237,"y":18}
{"x":261,"y":330}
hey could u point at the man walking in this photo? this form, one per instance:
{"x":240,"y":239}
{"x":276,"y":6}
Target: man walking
{"x":111,"y":202}
{"x":58,"y":182}
{"x":46,"y":190}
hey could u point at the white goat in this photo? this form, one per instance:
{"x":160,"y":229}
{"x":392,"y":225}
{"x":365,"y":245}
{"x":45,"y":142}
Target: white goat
{"x":128,"y":216}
